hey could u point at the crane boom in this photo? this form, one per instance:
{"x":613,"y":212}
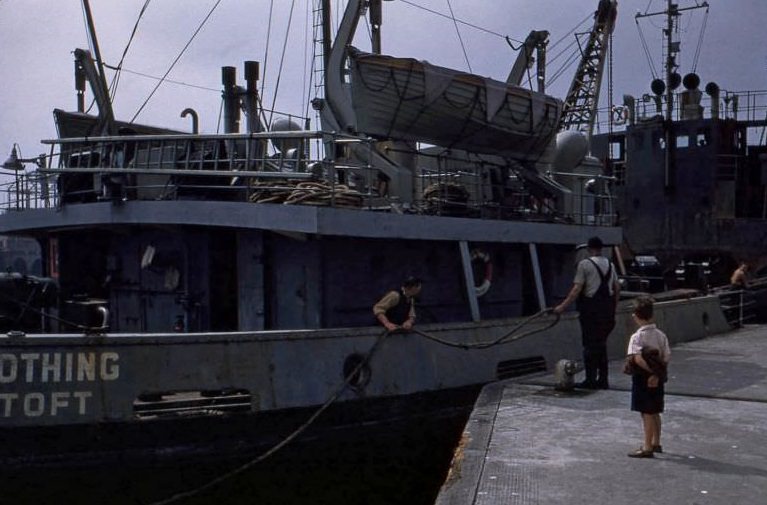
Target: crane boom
{"x":580,"y":106}
{"x":535,"y":41}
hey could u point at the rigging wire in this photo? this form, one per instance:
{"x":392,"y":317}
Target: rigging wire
{"x":154,"y":77}
{"x":116,"y":78}
{"x":220,"y":115}
{"x":647,"y":53}
{"x":569,"y":60}
{"x":575,"y":28}
{"x":367,"y":27}
{"x":336,"y":393}
{"x":205,"y":20}
{"x":471,"y":25}
{"x":564,"y":67}
{"x":306,"y":52}
{"x":313,"y":65}
{"x":282,"y":61}
{"x":266,"y":50}
{"x":460,"y":39}
{"x":90,"y":46}
{"x":700,"y":42}
{"x":610,"y":100}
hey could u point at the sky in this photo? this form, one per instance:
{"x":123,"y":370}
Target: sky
{"x":37,"y":38}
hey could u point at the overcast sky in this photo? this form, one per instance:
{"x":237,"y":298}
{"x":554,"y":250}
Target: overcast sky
{"x":37,"y":38}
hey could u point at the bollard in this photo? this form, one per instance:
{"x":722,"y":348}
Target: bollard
{"x":564,"y":374}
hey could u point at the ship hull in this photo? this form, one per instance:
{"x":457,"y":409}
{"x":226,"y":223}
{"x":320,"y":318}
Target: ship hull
{"x":78,"y":401}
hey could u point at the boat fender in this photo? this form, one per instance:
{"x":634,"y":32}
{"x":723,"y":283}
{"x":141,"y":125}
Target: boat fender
{"x":484,"y":287}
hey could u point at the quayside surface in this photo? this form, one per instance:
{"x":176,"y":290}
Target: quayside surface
{"x":526,"y":443}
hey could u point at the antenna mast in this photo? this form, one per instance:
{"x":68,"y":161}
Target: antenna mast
{"x":672,"y":47}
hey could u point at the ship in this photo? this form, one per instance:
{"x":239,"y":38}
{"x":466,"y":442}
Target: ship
{"x":689,"y":165}
{"x":211,"y":294}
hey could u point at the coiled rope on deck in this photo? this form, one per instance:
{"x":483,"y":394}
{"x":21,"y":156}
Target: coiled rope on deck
{"x":305,"y":193}
{"x":332,"y":398}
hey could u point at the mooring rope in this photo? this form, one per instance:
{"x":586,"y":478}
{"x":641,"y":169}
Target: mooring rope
{"x":28,"y":306}
{"x":332,"y":398}
{"x":507,"y":337}
{"x":503,"y":339}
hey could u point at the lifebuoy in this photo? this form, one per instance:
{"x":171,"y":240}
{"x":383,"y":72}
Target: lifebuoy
{"x":484,"y":287}
{"x":620,"y":115}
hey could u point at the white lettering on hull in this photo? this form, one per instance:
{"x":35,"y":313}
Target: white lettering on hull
{"x":59,"y":367}
{"x":52,"y":368}
{"x":44,"y":404}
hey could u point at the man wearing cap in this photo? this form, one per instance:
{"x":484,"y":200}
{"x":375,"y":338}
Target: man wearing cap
{"x":396,"y":310}
{"x":596,"y":290}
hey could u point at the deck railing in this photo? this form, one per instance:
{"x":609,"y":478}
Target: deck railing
{"x":277,"y":167}
{"x":749,"y":105}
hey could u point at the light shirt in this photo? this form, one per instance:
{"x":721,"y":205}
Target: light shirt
{"x":649,"y":336}
{"x":389,"y":301}
{"x":587,"y":276}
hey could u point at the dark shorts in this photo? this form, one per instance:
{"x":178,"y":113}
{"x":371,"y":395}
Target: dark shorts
{"x":643,"y":399}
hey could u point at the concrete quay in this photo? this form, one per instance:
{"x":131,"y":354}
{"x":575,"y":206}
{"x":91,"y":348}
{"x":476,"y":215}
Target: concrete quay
{"x":528,"y":444}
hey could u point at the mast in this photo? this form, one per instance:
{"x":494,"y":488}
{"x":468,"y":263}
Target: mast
{"x":107,"y":115}
{"x":673,"y":79}
{"x":672,"y":14}
{"x":326,"y":36}
{"x":671,"y":66}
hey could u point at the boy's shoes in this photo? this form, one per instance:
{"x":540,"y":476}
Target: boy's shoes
{"x":657,"y":448}
{"x":641,"y":453}
{"x":587,"y":385}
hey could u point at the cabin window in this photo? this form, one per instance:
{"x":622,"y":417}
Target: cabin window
{"x":682,"y":141}
{"x":616,"y":150}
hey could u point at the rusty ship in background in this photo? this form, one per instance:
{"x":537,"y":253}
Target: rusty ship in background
{"x":690,"y":168}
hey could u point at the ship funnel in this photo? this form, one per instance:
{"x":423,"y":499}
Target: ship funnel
{"x":712,"y":90}
{"x":691,"y":81}
{"x":691,"y":108}
{"x":231,"y":100}
{"x":658,"y":86}
{"x":674,"y":80}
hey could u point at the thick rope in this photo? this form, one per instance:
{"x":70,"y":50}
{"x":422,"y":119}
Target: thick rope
{"x":332,"y":398}
{"x":28,"y":306}
{"x":503,"y":339}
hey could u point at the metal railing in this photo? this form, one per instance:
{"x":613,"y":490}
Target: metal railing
{"x":276,"y":167}
{"x":747,"y":105}
{"x":741,"y":306}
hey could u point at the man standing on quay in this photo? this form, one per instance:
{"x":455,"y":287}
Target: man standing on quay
{"x":596,"y":288}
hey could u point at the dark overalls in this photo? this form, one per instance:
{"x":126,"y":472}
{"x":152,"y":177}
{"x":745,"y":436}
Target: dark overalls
{"x":597,"y":318}
{"x":400,"y":312}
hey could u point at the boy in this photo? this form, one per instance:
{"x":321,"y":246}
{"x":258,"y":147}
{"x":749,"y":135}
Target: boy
{"x":648,"y":356}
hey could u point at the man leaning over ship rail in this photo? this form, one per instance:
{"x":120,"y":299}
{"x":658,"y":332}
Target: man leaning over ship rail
{"x":739,"y":278}
{"x":596,"y":290}
{"x":397,"y":307}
